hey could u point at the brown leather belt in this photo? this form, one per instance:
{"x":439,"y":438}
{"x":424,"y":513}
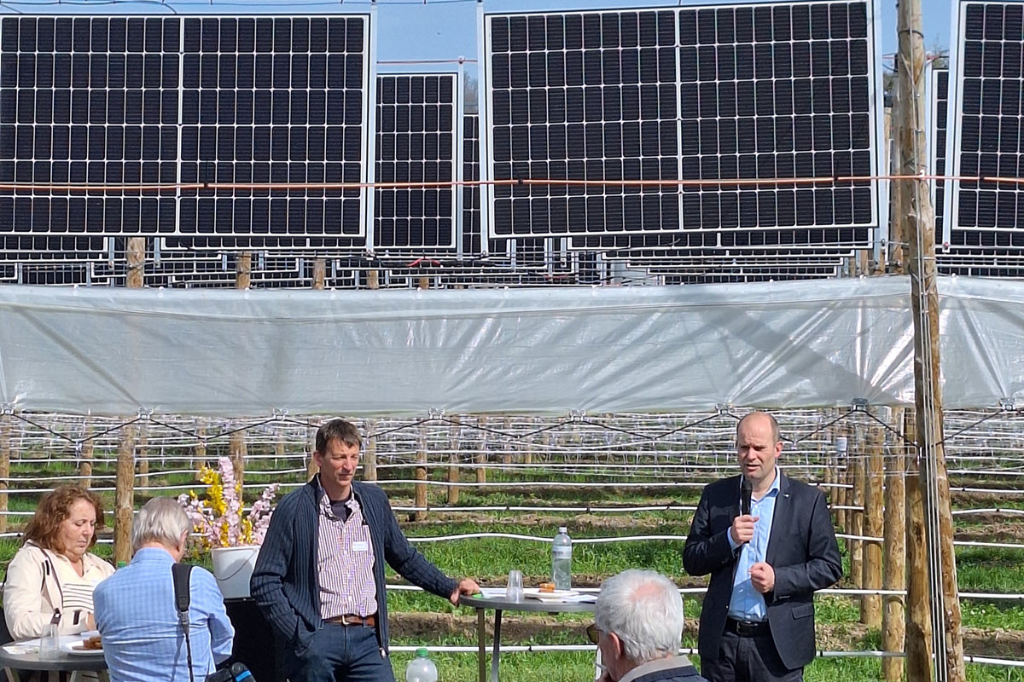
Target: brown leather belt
{"x":348,"y":619}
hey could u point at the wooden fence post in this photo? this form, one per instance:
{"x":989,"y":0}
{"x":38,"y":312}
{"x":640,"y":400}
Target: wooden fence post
{"x":143,"y":457}
{"x":871,"y":607}
{"x":481,"y":456}
{"x":319,"y":273}
{"x":85,"y":465}
{"x":370,"y":451}
{"x":856,"y":516}
{"x":842,"y":477}
{"x":421,"y":499}
{"x":895,"y":550}
{"x":124,"y":495}
{"x":454,"y":473}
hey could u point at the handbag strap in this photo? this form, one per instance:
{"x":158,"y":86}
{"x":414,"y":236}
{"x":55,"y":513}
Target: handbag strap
{"x":181,"y":574}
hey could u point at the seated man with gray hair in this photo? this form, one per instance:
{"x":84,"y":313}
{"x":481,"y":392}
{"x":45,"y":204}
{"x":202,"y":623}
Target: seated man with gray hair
{"x":638,"y":627}
{"x":136,"y":612}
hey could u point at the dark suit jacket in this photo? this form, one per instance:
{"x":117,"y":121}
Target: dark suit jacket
{"x":801,"y":548}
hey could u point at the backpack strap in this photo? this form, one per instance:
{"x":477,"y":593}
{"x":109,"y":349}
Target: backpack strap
{"x":181,"y":574}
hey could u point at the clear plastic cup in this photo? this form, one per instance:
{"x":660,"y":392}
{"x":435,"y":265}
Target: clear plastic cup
{"x":514,"y":589}
{"x":49,"y":643}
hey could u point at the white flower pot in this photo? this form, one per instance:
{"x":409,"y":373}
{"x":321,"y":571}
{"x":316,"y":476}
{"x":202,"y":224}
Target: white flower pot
{"x":232,"y":567}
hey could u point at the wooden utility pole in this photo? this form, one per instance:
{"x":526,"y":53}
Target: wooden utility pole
{"x":143,"y":457}
{"x":136,"y":257}
{"x":933,"y":484}
{"x":895,"y":552}
{"x":237,"y":447}
{"x":871,"y":608}
{"x":373,"y":279}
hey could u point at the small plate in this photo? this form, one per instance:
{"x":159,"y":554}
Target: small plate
{"x":78,"y":649}
{"x":557,"y":595}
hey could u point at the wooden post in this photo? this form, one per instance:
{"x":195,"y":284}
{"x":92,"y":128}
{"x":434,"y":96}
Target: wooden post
{"x":237,"y":447}
{"x":373,"y":279}
{"x":421,"y":475}
{"x":5,"y":467}
{"x":424,"y":283}
{"x":842,"y":477}
{"x":919,"y":223}
{"x":895,"y":551}
{"x":124,"y":486}
{"x":871,"y":608}
{"x":143,"y":458}
{"x":506,"y":447}
{"x":124,"y":495}
{"x":918,"y":624}
{"x":135,"y":254}
{"x":856,"y":516}
{"x":481,"y":456}
{"x":85,"y":466}
{"x":319,"y":273}
{"x":312,"y":468}
{"x":454,"y":473}
{"x":200,"y":449}
{"x":370,"y":451}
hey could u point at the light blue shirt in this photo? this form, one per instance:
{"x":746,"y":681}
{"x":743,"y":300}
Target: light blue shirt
{"x":746,"y":602}
{"x":138,"y":621}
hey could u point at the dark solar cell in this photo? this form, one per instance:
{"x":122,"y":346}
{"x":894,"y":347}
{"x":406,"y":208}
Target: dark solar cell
{"x":751,"y":92}
{"x":939,"y":103}
{"x":416,"y":132}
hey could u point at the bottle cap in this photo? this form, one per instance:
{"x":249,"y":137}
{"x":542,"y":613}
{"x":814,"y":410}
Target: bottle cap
{"x":122,"y":564}
{"x":563,"y":529}
{"x":421,"y":653}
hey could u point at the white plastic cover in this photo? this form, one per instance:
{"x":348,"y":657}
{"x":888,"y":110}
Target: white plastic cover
{"x":553,"y":350}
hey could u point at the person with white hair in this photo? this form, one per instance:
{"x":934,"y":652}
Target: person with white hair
{"x":136,"y":612}
{"x":638,"y":627}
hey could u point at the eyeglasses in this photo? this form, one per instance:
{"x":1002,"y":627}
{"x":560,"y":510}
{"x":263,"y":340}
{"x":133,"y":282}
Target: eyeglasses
{"x":593,"y":634}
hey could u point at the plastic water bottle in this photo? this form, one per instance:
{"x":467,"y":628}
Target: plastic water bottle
{"x":421,"y":668}
{"x":561,"y":560}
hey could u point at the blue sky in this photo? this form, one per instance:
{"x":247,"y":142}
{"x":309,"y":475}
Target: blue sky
{"x":437,"y":30}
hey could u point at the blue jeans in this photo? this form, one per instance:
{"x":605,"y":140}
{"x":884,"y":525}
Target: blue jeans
{"x":341,"y":653}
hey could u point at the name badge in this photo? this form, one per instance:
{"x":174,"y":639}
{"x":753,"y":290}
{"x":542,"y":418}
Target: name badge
{"x":360,"y":546}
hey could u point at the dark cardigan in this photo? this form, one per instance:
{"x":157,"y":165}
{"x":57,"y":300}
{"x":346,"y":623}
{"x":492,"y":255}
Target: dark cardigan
{"x":285,"y":583}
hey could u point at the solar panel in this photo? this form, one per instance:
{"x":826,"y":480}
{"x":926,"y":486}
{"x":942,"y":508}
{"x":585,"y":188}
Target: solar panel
{"x":200,"y":100}
{"x":987,"y":91}
{"x":750,"y":91}
{"x":275,"y":100}
{"x":417,"y":116}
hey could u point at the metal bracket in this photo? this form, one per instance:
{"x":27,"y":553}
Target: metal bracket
{"x":723,"y":408}
{"x":145,"y":414}
{"x":435,"y":412}
{"x":860,"y":404}
{"x":576,"y":416}
{"x":1008,"y":404}
{"x":7,"y":409}
{"x":279,"y":414}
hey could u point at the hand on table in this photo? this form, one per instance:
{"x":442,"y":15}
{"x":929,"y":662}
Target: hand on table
{"x":762,"y":577}
{"x":466,"y":586}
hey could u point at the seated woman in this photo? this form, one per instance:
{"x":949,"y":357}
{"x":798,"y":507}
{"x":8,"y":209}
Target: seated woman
{"x":54,"y":570}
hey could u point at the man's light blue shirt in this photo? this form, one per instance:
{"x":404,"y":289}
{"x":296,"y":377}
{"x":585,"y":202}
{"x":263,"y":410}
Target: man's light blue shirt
{"x":138,"y":621}
{"x":746,"y":602}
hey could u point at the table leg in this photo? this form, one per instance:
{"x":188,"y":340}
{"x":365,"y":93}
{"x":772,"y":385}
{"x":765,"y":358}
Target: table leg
{"x":481,"y":637}
{"x":496,"y":652}
{"x":12,"y":675}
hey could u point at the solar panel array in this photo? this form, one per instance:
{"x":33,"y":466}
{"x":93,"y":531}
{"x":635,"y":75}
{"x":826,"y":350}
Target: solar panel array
{"x":938,"y":101}
{"x":242,"y":101}
{"x":988,"y":82}
{"x":739,"y":92}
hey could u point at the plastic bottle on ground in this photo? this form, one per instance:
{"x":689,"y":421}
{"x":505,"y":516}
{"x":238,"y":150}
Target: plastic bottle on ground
{"x":561,"y":560}
{"x":421,"y":668}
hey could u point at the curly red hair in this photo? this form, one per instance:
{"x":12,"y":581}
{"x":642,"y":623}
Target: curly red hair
{"x":55,"y":506}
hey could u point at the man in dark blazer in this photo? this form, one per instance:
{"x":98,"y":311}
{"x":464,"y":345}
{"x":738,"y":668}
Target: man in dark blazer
{"x":319,"y":578}
{"x":757,"y":620}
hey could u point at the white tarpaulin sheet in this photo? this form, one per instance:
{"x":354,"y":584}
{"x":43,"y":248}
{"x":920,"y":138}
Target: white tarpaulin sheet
{"x":554,"y":350}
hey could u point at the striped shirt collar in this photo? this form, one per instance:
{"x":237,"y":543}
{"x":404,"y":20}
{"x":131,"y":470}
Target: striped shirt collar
{"x":325,"y":500}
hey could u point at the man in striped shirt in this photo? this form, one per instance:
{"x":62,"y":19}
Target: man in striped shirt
{"x":319,"y":578}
